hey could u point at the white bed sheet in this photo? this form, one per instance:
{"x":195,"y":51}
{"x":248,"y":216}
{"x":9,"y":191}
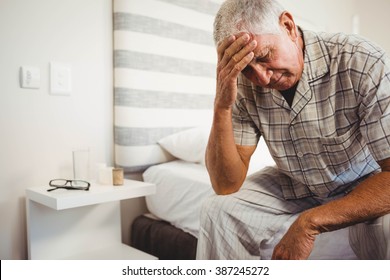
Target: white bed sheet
{"x":183,"y":186}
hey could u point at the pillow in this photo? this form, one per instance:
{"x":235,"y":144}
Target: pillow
{"x":189,"y":145}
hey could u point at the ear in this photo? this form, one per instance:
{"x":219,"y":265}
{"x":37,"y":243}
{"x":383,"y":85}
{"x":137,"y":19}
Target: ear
{"x":287,"y":23}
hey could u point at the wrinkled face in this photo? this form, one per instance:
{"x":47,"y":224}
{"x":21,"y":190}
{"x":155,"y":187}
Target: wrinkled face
{"x":277,"y":63}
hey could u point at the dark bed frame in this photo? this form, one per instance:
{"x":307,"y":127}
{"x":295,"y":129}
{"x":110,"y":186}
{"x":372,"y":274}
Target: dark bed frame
{"x":161,"y":239}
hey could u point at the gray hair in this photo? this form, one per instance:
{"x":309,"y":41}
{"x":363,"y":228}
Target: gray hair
{"x":252,"y":16}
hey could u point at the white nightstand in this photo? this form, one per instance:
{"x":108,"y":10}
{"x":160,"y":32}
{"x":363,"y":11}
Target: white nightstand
{"x":74,"y":224}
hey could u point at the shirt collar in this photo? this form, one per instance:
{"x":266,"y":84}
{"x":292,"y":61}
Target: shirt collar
{"x":316,"y":65}
{"x":316,"y":56}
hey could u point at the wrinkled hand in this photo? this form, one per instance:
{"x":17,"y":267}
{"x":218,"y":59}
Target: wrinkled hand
{"x":296,"y":244}
{"x":234,"y":54}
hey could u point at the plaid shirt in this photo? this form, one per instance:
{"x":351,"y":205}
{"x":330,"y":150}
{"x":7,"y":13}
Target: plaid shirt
{"x":339,"y":124}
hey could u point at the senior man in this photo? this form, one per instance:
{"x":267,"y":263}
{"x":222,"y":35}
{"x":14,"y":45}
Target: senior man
{"x":322,"y":104}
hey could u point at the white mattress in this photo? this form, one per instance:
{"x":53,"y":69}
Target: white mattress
{"x":183,"y":186}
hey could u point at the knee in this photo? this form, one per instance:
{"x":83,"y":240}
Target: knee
{"x":215,"y":206}
{"x":371,"y":240}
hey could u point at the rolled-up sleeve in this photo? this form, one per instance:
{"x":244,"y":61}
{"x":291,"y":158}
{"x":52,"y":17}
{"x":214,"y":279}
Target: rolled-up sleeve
{"x":375,"y":109}
{"x":246,"y":133}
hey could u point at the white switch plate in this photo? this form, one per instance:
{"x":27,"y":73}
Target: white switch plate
{"x":30,"y":77}
{"x":60,"y":78}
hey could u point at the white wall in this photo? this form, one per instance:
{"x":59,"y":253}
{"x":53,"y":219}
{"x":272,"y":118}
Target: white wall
{"x":326,"y":15}
{"x":38,"y":130}
{"x":374,"y":21}
{"x":337,"y":16}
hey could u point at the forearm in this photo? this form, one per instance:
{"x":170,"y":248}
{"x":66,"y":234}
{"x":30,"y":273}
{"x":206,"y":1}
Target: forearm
{"x":225,"y":166}
{"x":369,"y":200}
{"x":226,"y":162}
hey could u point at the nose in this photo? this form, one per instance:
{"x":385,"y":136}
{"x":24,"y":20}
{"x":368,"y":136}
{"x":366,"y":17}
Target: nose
{"x":260,"y":75}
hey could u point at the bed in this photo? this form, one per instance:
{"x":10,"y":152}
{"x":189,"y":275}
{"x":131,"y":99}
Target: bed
{"x":170,"y":229}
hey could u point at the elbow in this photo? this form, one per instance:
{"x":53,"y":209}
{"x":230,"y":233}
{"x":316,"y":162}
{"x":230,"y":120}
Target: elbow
{"x":225,"y":189}
{"x":224,"y":185}
{"x":225,"y":182}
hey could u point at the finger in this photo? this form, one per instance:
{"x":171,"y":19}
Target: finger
{"x":281,"y":253}
{"x":226,"y":42}
{"x":237,"y":64}
{"x":223,"y":45}
{"x":233,"y":48}
{"x":276,"y":253}
{"x":240,"y":59}
{"x":230,"y":46}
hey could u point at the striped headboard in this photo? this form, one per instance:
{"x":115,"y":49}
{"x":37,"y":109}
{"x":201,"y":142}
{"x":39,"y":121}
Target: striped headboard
{"x":164,"y":75}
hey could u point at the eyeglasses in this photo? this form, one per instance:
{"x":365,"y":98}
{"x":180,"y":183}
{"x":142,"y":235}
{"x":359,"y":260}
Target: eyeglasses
{"x":73,"y":185}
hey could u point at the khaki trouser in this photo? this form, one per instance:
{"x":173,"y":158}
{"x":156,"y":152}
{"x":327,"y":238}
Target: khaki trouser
{"x":248,"y":225}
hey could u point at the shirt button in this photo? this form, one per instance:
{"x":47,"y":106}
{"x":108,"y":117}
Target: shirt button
{"x":300,"y":154}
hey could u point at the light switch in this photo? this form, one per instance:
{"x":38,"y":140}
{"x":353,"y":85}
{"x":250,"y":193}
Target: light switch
{"x":60,"y":78}
{"x":30,"y":77}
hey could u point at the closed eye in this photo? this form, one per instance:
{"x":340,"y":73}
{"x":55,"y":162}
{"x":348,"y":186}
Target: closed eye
{"x":265,"y":56}
{"x":246,"y":69}
{"x":263,"y":59}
